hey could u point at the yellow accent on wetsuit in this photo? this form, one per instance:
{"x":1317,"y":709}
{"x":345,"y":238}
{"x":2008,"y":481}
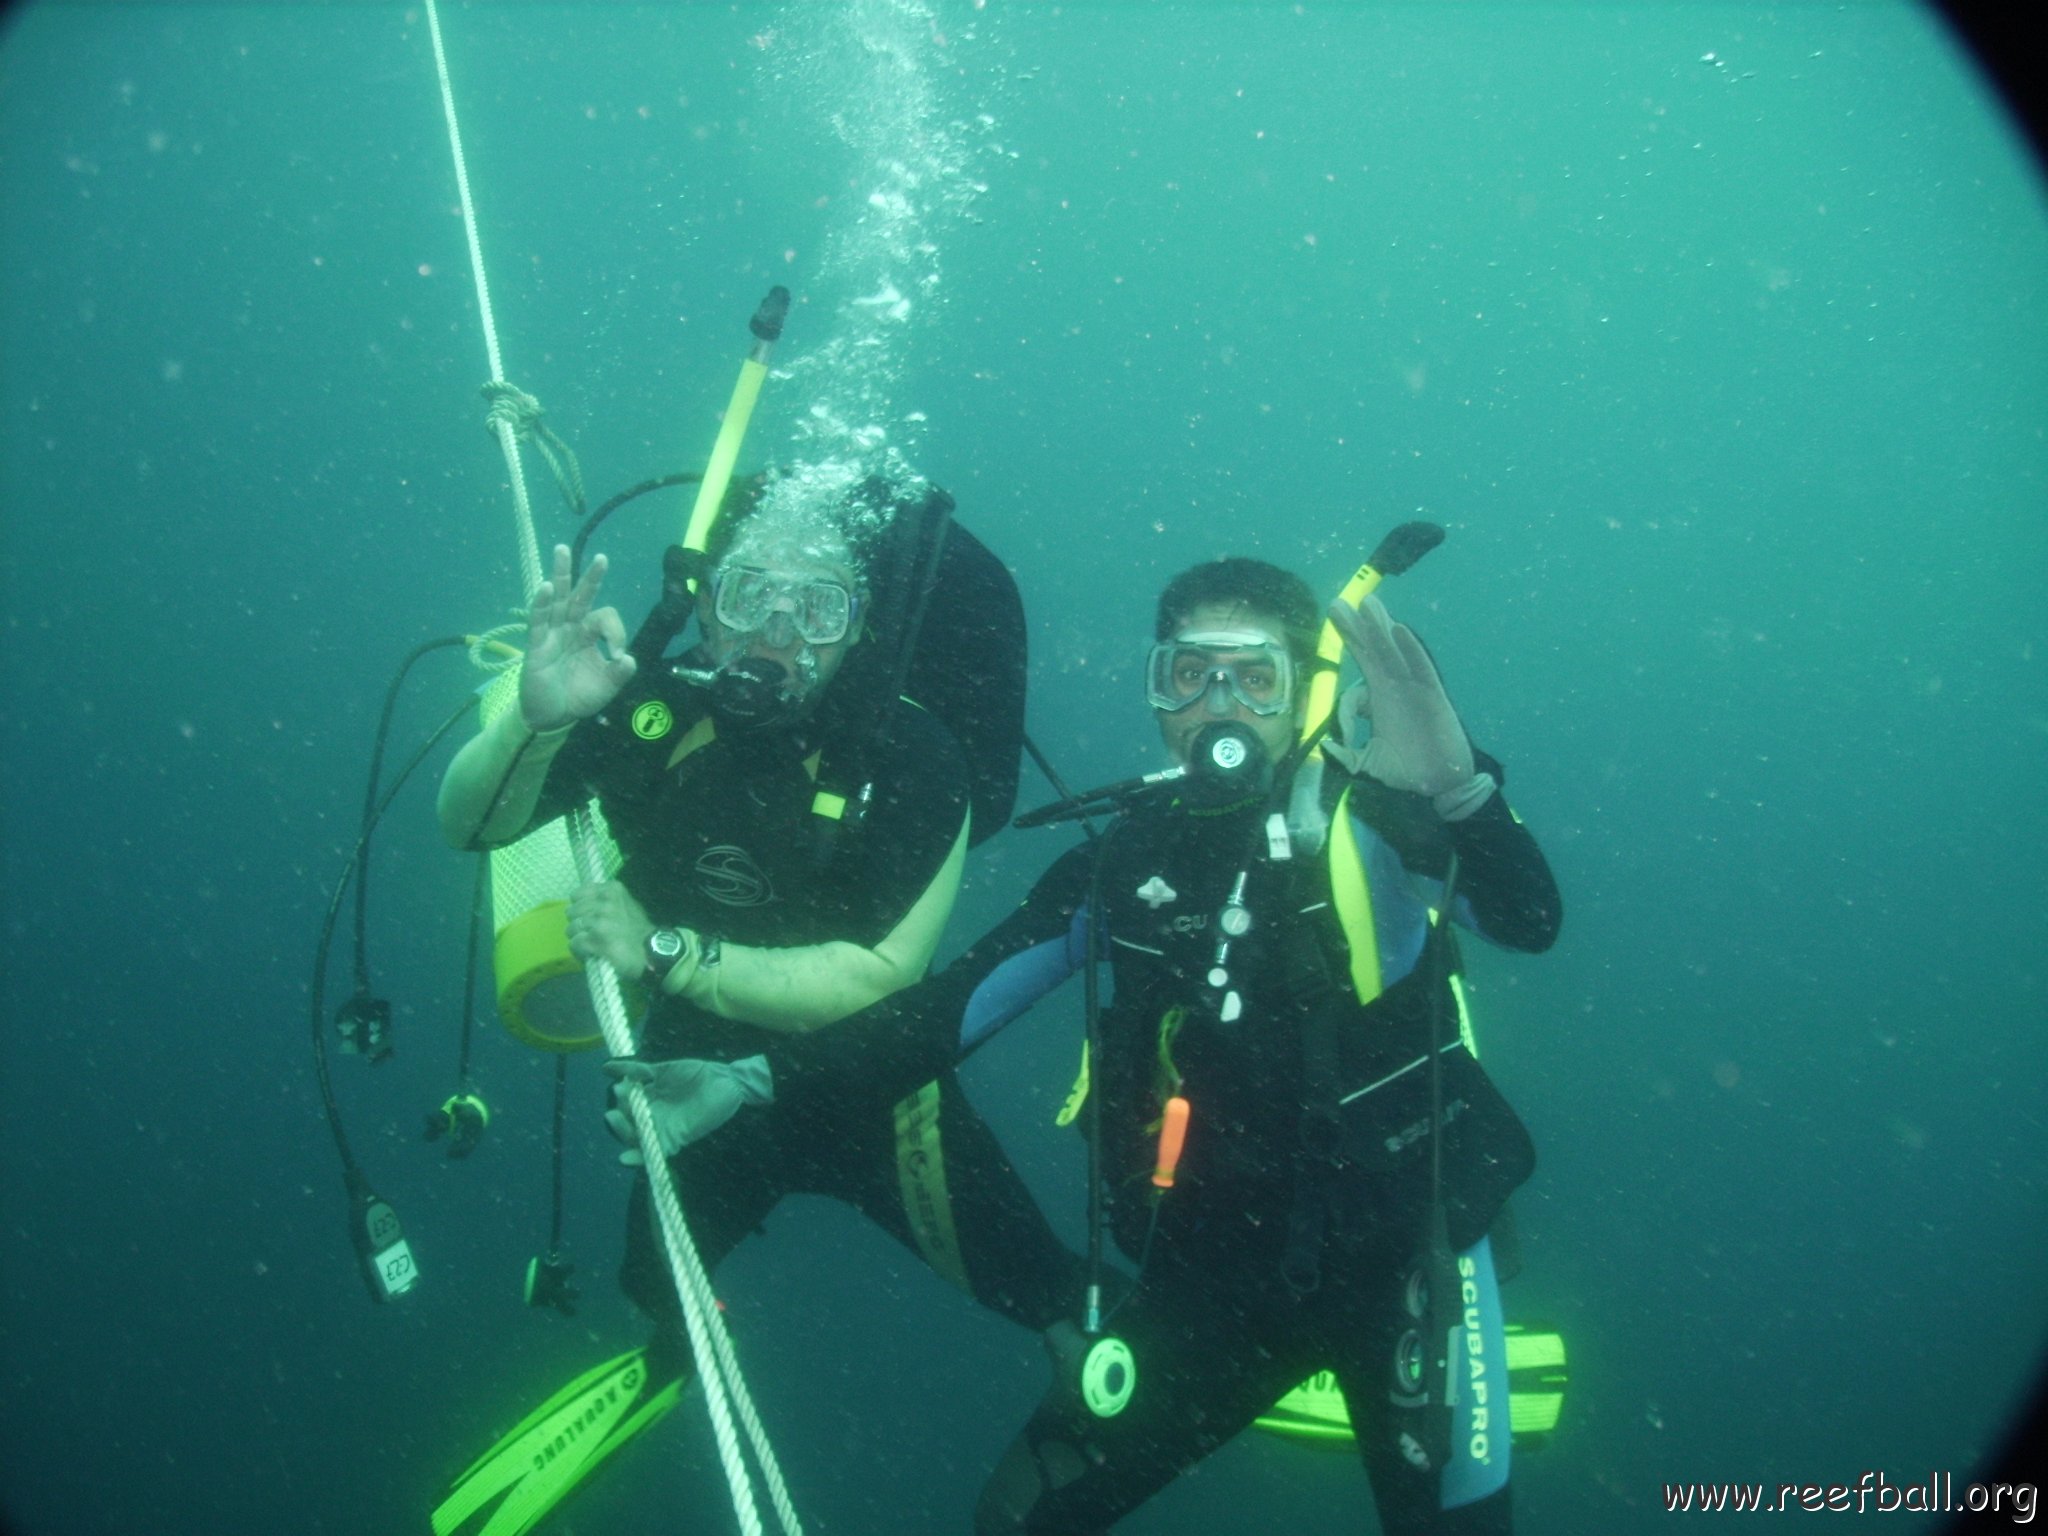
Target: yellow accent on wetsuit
{"x":921,"y":1176}
{"x":1351,"y":895}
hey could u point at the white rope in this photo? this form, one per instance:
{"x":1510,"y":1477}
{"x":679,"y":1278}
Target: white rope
{"x":724,"y":1386}
{"x":709,"y":1340}
{"x":498,"y":643}
{"x":508,"y":442}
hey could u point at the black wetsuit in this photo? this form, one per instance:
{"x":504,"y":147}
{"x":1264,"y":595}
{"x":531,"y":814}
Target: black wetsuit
{"x":1284,"y":1247}
{"x":719,"y":834}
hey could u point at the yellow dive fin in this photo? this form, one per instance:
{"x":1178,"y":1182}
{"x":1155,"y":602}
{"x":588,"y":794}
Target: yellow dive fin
{"x":554,"y":1448}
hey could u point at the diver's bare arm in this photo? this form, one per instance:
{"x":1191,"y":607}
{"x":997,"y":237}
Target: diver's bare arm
{"x":576,"y":662}
{"x":490,"y":790}
{"x":807,"y":987}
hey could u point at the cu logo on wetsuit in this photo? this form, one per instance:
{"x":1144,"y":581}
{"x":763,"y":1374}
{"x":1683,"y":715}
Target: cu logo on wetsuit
{"x":729,"y":876}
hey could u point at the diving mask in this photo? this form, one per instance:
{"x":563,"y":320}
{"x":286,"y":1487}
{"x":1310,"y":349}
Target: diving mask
{"x":821,"y":610}
{"x":1219,"y":666}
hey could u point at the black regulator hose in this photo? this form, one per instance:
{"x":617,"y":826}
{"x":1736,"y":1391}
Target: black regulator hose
{"x":374,"y":1230}
{"x":591,"y":523}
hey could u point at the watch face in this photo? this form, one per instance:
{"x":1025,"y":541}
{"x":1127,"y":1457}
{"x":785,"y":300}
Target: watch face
{"x":665,"y":942}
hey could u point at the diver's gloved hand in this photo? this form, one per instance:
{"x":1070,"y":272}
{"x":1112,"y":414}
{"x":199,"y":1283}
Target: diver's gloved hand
{"x":606,"y":923}
{"x":690,"y":1099}
{"x":576,"y":657}
{"x":1417,"y":743}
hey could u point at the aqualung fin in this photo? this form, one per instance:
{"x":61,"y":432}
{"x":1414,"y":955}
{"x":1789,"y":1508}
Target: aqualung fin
{"x":547,"y":1454}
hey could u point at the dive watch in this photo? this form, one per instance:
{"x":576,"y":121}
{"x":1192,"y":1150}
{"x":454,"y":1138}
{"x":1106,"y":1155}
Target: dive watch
{"x":665,"y":947}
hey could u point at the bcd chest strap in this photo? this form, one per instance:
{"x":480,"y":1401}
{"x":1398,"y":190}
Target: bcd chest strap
{"x":1321,"y":1008}
{"x":832,"y":809}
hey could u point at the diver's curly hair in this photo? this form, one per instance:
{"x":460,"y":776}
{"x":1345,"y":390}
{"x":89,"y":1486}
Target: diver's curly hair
{"x":860,"y":517}
{"x":1265,"y":589}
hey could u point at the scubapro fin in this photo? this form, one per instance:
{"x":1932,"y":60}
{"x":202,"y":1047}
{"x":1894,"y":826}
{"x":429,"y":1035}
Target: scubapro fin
{"x":537,"y":1463}
{"x":1315,"y":1411}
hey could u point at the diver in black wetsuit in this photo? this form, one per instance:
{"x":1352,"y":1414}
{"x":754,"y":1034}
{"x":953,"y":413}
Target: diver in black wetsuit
{"x":752,"y":905}
{"x":1288,"y":989}
{"x":1281,"y":986}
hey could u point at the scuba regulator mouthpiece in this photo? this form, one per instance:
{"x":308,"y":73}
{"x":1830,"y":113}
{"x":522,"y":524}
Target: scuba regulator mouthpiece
{"x":1096,"y":1367}
{"x":462,"y":1118}
{"x":749,"y":694}
{"x":1225,"y":760}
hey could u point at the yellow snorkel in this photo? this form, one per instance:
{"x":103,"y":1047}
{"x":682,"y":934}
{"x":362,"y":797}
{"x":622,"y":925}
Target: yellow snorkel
{"x":767,"y":328}
{"x":1399,"y":550}
{"x":541,"y":993}
{"x":682,"y":565}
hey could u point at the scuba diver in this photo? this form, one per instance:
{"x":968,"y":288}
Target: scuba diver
{"x":1293,"y":1142}
{"x":793,"y":833}
{"x":1291,"y":1135}
{"x":1279,"y":998}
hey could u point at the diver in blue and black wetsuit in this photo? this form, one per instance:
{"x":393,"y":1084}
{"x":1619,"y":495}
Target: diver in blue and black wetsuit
{"x":1288,"y":1002}
{"x":1287,"y":989}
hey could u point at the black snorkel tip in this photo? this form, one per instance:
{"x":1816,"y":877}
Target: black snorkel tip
{"x":1405,"y":545}
{"x":768,"y":319}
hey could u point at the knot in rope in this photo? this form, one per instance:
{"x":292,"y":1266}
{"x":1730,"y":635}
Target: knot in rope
{"x":513,"y":407}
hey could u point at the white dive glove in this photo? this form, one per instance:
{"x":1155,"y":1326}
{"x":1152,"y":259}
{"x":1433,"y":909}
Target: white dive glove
{"x":689,"y":1098}
{"x":1417,"y":742}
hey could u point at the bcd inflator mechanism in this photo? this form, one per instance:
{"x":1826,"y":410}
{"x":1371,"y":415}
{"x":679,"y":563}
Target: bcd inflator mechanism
{"x":462,"y":1119}
{"x":381,"y":1250}
{"x":547,"y":1282}
{"x":364,"y":1025}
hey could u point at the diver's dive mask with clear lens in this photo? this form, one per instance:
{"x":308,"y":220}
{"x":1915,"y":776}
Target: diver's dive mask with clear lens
{"x":821,"y":610}
{"x":1245,"y":666}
